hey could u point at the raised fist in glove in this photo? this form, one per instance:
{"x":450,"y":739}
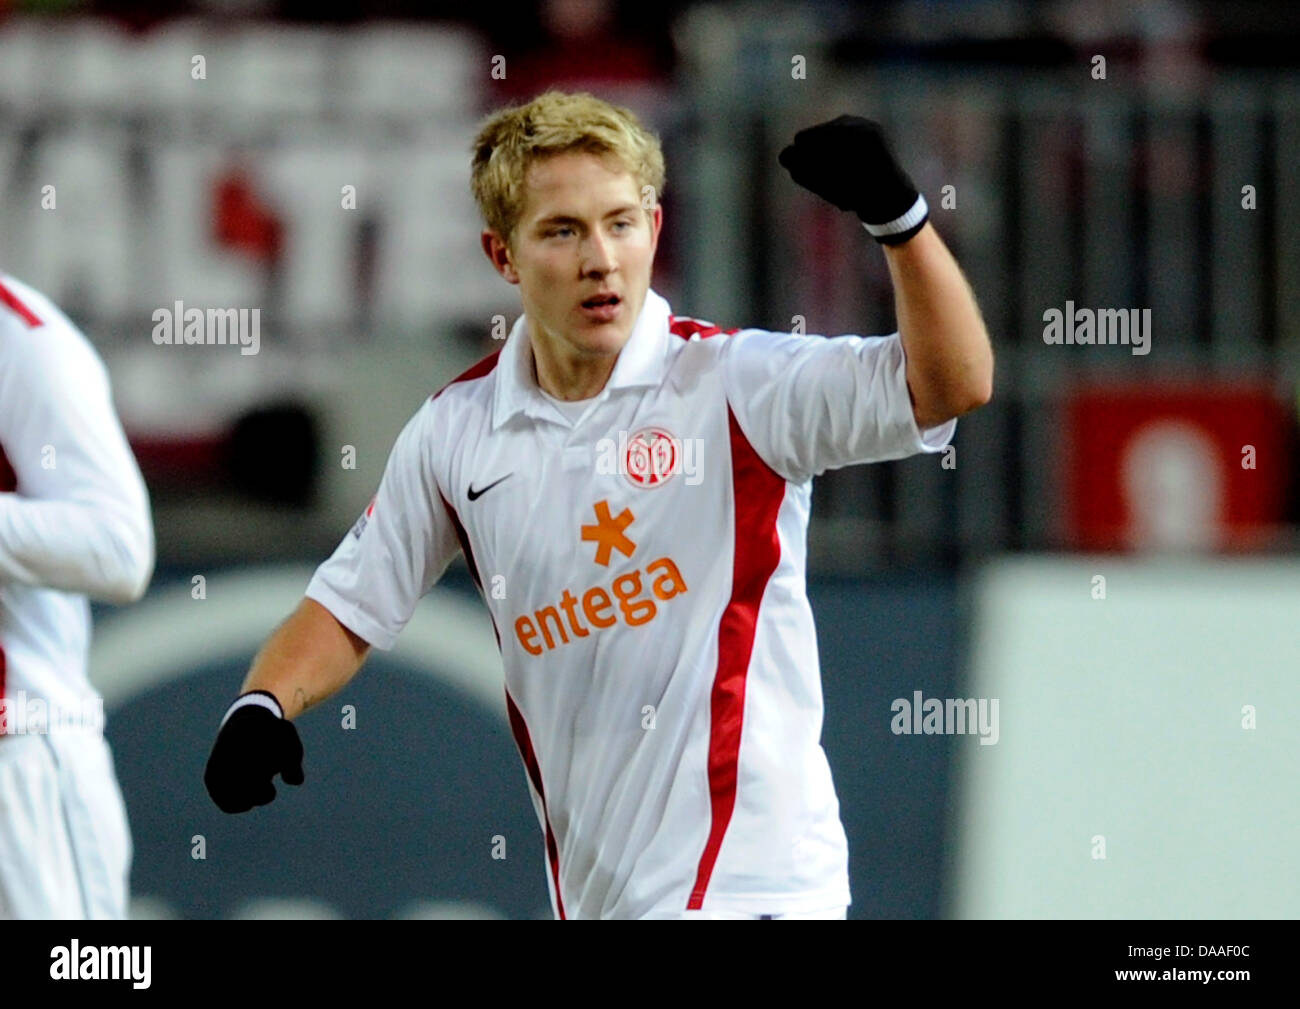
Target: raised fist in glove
{"x":254,"y":744}
{"x":847,"y":162}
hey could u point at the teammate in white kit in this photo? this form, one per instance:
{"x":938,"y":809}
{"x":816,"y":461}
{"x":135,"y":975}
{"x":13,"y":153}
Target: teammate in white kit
{"x":74,"y":523}
{"x":631,"y":491}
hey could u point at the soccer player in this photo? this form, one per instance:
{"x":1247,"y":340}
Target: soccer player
{"x":631,"y":491}
{"x":74,"y":523}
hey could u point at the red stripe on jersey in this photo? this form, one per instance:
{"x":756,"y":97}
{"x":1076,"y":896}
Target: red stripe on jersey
{"x":757,"y":492}
{"x":525,"y":744}
{"x":8,"y":479}
{"x":686,"y":327}
{"x":8,"y":298}
{"x":468,"y":551}
{"x":8,"y":482}
{"x":463,"y":536}
{"x":483,"y":367}
{"x":478,"y":370}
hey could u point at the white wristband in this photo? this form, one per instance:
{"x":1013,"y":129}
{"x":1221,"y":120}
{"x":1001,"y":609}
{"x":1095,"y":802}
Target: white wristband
{"x":909,"y":220}
{"x":262,"y":700}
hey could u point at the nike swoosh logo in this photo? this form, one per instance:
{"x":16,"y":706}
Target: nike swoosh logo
{"x":474,"y":495}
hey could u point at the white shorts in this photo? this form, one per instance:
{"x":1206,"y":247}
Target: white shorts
{"x":65,"y":846}
{"x":828,"y":914}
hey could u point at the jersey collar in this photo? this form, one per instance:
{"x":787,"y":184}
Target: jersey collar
{"x":641,"y":362}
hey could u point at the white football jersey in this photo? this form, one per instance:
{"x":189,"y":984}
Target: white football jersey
{"x":643,"y":564}
{"x":74,"y":514}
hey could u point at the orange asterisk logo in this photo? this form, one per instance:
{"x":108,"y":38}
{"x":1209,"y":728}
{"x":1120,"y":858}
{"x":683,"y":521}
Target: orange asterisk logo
{"x":608,"y":533}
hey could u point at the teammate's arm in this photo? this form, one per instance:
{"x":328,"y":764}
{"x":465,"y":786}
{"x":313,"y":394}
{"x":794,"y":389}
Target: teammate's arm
{"x":79,"y":520}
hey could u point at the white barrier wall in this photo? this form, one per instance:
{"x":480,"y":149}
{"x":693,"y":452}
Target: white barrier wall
{"x":1147,"y":763}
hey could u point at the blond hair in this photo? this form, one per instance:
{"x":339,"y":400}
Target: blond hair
{"x":555,"y":122}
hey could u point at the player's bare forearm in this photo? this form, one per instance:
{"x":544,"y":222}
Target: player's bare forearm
{"x":309,"y":657}
{"x":949,"y":356}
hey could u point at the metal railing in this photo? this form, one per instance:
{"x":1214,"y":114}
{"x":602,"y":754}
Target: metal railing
{"x":1062,"y":188}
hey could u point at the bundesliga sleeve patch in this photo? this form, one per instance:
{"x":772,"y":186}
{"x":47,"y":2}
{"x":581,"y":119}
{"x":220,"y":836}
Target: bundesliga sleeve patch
{"x":364,"y":520}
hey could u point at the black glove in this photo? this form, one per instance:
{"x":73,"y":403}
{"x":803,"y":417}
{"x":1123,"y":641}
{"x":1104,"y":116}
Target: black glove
{"x":847,"y":162}
{"x":253,"y":745}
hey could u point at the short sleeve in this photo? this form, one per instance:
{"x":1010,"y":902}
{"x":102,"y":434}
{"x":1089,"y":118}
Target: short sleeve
{"x":398,"y":548}
{"x":811,"y":403}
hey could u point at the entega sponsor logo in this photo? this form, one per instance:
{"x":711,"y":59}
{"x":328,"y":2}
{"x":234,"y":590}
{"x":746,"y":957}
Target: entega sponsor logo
{"x":636,"y":609}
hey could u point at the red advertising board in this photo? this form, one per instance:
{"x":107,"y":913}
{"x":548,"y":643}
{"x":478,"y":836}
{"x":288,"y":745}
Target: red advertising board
{"x":1175,"y":466}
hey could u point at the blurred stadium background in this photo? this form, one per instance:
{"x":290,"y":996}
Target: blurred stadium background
{"x":1128,"y":779}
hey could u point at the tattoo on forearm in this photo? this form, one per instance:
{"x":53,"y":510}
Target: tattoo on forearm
{"x":303,"y":699}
